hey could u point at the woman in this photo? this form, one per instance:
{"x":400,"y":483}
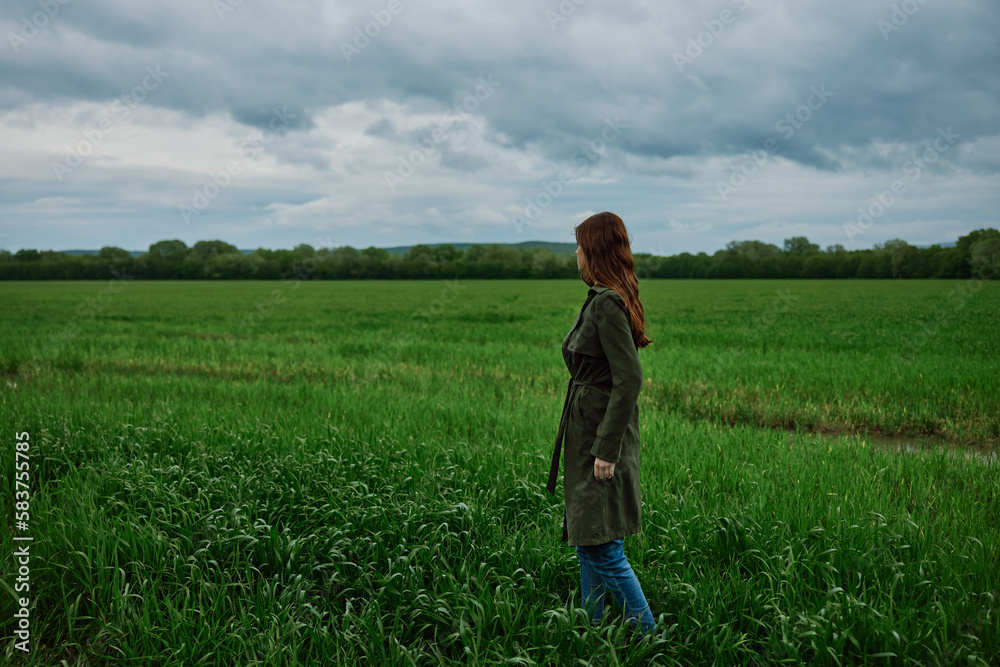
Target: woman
{"x":599,"y":427}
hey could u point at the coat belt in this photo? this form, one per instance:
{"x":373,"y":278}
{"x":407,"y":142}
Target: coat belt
{"x":554,"y":470}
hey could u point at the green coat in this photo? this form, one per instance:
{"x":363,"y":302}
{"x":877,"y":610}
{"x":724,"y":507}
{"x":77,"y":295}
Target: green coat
{"x":600,"y":418}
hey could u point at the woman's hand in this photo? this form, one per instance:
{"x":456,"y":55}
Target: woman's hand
{"x":603,"y":470}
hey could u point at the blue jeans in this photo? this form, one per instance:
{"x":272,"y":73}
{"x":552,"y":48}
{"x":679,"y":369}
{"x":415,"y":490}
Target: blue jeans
{"x":604,"y":566}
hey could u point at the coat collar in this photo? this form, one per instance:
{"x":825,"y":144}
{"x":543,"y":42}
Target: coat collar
{"x":598,"y":289}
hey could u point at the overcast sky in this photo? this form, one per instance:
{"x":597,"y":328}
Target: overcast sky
{"x":390,"y":122}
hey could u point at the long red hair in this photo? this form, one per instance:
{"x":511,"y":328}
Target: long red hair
{"x":608,"y":262}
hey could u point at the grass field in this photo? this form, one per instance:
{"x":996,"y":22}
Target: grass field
{"x":352,"y":473}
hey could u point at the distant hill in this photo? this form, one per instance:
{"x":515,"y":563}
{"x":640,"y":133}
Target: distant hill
{"x":557,"y":248}
{"x":134,"y":253}
{"x":530,"y":245}
{"x":402,"y":249}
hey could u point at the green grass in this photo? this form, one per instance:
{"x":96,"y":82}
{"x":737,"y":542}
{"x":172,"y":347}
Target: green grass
{"x":357,"y":473}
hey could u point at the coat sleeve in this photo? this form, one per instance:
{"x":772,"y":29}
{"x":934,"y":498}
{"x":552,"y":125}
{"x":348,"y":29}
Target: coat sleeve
{"x":615,"y":332}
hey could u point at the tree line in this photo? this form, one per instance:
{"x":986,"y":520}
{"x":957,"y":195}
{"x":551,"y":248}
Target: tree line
{"x":977,"y":253}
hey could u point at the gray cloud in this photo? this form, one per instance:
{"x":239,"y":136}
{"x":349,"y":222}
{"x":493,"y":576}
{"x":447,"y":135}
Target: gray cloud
{"x":699,"y":85}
